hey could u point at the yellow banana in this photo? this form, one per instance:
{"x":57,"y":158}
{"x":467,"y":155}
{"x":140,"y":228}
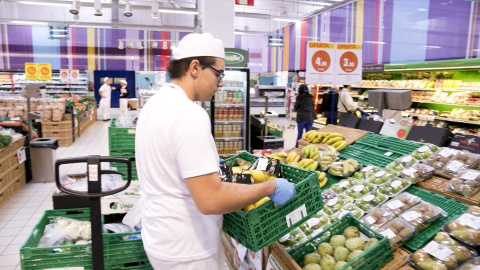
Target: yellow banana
{"x":236,"y":169}
{"x":248,"y":208}
{"x":353,"y":162}
{"x":261,"y":201}
{"x":271,"y":177}
{"x":336,"y":144}
{"x":308,"y":162}
{"x":334,"y":140}
{"x":323,"y":182}
{"x":346,"y":167}
{"x":295,"y":164}
{"x":341,"y":146}
{"x":302,"y":163}
{"x":259,"y":176}
{"x":321,"y":175}
{"x":313,"y":166}
{"x":331,"y":135}
{"x":316,"y":155}
{"x":331,"y":148}
{"x":297,"y":159}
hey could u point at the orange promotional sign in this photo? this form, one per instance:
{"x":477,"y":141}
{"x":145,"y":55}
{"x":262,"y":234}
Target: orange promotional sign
{"x":348,"y":64}
{"x":74,"y":75}
{"x":31,"y":71}
{"x":320,"y":68}
{"x":45,"y":72}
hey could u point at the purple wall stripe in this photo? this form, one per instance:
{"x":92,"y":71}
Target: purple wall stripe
{"x":291,"y":47}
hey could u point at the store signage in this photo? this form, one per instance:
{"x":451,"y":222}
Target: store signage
{"x":348,"y":64}
{"x":320,"y":67}
{"x":465,"y":142}
{"x":245,"y":2}
{"x":64,"y":75}
{"x":395,"y":130}
{"x":45,"y":72}
{"x":31,"y":71}
{"x":236,"y":57}
{"x":74,"y":75}
{"x":370,"y":68}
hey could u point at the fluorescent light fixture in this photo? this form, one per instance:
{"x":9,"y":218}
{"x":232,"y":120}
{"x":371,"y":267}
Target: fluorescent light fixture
{"x":374,"y":42}
{"x":56,"y":35}
{"x":128,"y":10}
{"x":432,"y":47}
{"x":422,"y":9}
{"x":44,"y":3}
{"x":139,"y":45}
{"x":276,"y":39}
{"x":29,"y":23}
{"x":120,"y":45}
{"x":97,"y":5}
{"x":58,"y":30}
{"x":285,"y":20}
{"x":178,"y":11}
{"x":154,"y":45}
{"x":321,"y":4}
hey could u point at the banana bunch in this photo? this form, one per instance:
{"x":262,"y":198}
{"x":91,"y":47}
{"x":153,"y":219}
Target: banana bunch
{"x":293,"y":158}
{"x":322,"y":178}
{"x":313,"y":136}
{"x":239,"y":169}
{"x":336,"y":140}
{"x":260,"y":176}
{"x":256,"y":205}
{"x":278,"y":155}
{"x":311,"y":151}
{"x":329,"y":156}
{"x":343,"y":168}
{"x":309,"y":164}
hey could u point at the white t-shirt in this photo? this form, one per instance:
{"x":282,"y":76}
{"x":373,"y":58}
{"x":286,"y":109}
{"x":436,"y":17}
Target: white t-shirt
{"x":173,"y":142}
{"x":106,"y":90}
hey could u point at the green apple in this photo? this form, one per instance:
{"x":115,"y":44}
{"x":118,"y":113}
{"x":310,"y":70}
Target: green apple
{"x":398,"y":168}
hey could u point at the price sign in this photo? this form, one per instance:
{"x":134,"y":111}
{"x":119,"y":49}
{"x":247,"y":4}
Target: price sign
{"x":64,"y":75}
{"x":320,"y":68}
{"x":31,"y":71}
{"x":45,"y":72}
{"x":74,"y":75}
{"x":348,"y":64}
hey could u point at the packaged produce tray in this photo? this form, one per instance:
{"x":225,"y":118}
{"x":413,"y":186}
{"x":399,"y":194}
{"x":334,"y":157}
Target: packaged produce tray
{"x":263,"y":226}
{"x":34,"y":257}
{"x":374,"y":258}
{"x":392,"y":144}
{"x":452,"y":207}
{"x":365,"y":156}
{"x":350,"y":134}
{"x":439,"y":186}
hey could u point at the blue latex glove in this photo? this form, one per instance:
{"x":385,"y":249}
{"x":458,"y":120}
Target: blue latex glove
{"x":221,"y":161}
{"x":283,"y":192}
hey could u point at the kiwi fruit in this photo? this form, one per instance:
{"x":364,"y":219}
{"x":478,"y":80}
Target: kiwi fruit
{"x":404,"y":233}
{"x":397,"y":225}
{"x":427,"y":215}
{"x":444,"y":160}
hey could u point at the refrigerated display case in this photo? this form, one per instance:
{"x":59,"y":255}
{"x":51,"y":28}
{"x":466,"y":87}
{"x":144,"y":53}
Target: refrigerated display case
{"x":229,"y":113}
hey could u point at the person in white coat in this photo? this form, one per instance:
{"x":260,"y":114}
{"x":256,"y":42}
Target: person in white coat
{"x":346,"y":104}
{"x":105,"y":92}
{"x":123,"y":97}
{"x":183,"y":197}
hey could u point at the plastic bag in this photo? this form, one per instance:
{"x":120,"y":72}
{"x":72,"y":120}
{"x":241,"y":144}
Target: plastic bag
{"x":335,"y":204}
{"x":357,"y":191}
{"x":348,"y":208}
{"x":345,"y":168}
{"x":73,"y":229}
{"x":394,"y":186}
{"x":327,"y":157}
{"x":379,"y":177}
{"x":124,"y":121}
{"x":401,"y":163}
{"x":51,"y":236}
{"x":470,"y":264}
{"x":117,"y":228}
{"x":345,"y":184}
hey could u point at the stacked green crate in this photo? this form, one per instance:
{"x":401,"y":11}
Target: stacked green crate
{"x":121,"y":142}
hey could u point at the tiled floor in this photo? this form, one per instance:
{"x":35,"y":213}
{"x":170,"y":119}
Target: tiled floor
{"x":22,"y":212}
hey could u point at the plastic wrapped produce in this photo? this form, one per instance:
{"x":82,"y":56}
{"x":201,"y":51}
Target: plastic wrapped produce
{"x":394,"y":186}
{"x":472,"y":264}
{"x":366,"y":172}
{"x":398,"y":231}
{"x":423,"y":214}
{"x":466,"y":229}
{"x":466,"y":183}
{"x":327,"y":157}
{"x":469,"y":159}
{"x":441,"y":253}
{"x":371,"y":200}
{"x":335,"y":204}
{"x":348,"y":208}
{"x":474,"y":210}
{"x":401,"y":163}
{"x":401,"y":203}
{"x":379,"y":177}
{"x":418,"y":172}
{"x":440,"y":158}
{"x":293,"y":239}
{"x":345,"y":184}
{"x":359,"y":190}
{"x":425,"y":151}
{"x":345,"y":168}
{"x":327,"y":195}
{"x":377,"y":217}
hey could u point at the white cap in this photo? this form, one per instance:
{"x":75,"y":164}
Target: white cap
{"x":105,"y":79}
{"x":195,"y":44}
{"x":124,"y":82}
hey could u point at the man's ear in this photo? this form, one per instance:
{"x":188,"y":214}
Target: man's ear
{"x":195,"y":68}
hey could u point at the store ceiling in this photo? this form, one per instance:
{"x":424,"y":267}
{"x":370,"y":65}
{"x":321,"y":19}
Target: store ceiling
{"x":260,"y":18}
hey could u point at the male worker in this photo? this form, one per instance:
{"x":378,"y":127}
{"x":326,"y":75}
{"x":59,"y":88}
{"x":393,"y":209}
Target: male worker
{"x":177,"y":161}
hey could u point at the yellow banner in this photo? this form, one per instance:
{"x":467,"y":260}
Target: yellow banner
{"x":45,"y":72}
{"x":31,"y":71}
{"x":348,"y":46}
{"x":320,"y":45}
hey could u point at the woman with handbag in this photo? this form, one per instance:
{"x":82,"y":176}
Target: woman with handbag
{"x":346,"y":105}
{"x":305,"y":111}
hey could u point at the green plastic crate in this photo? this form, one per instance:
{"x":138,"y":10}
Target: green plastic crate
{"x":263,"y":226}
{"x":122,"y":167}
{"x":389,"y":144}
{"x":453,"y":208}
{"x":141,"y":264}
{"x":120,"y":250}
{"x":374,"y":258}
{"x":124,"y":153}
{"x":365,"y":156}
{"x":121,"y":139}
{"x":34,"y":257}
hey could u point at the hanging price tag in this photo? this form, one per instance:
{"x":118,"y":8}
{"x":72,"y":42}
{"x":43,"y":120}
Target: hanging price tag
{"x":21,"y":155}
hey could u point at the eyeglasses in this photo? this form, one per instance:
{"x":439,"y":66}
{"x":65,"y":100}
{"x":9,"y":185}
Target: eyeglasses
{"x":218,"y":73}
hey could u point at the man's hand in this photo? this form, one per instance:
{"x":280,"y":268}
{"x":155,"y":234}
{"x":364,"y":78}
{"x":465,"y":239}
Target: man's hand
{"x":283,"y":192}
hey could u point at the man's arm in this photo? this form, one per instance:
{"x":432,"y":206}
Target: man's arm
{"x":214,"y":197}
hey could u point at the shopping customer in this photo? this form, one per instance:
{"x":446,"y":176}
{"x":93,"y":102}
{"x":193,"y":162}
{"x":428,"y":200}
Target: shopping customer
{"x":183,"y":198}
{"x":123,"y":97}
{"x":105,"y":94}
{"x":346,"y":105}
{"x":329,"y":105}
{"x":305,"y":111}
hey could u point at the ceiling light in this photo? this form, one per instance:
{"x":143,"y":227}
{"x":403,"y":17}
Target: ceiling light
{"x":155,"y":7}
{"x":98,"y":13}
{"x":321,"y":4}
{"x":130,"y":45}
{"x":120,"y":45}
{"x":43,"y":3}
{"x":285,"y":20}
{"x":139,"y":45}
{"x":128,"y":10}
{"x":172,"y":2}
{"x":178,"y":11}
{"x":29,"y":22}
{"x":432,"y":47}
{"x":75,"y":8}
{"x":154,"y":45}
{"x":374,"y":42}
{"x":76,"y":17}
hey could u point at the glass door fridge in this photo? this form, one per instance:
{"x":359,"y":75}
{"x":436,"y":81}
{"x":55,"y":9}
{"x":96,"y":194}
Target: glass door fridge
{"x":229,"y":113}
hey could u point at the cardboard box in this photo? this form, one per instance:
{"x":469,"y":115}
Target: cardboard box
{"x":429,"y":134}
{"x":120,"y":203}
{"x":370,"y":125}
